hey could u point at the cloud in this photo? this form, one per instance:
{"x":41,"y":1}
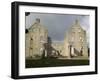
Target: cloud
{"x":58,"y":24}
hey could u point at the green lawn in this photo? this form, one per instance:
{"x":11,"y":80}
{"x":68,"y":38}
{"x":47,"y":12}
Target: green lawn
{"x":52,"y":62}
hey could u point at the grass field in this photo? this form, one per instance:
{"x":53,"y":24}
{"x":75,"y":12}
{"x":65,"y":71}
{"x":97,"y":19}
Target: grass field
{"x":52,"y":62}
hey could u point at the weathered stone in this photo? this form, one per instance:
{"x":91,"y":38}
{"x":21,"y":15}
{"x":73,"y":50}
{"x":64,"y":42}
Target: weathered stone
{"x":38,"y":44}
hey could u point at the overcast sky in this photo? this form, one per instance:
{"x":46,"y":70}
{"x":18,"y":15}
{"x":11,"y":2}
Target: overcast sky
{"x":58,"y":24}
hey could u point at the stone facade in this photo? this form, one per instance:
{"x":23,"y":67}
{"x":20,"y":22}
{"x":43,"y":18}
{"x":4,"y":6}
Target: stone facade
{"x":35,"y":38}
{"x":38,"y":45}
{"x":76,"y":41}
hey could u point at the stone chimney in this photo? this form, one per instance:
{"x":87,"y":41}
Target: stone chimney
{"x":37,"y":20}
{"x":77,"y":21}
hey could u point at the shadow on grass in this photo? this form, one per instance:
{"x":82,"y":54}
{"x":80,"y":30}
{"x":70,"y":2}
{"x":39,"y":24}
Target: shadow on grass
{"x":52,"y":62}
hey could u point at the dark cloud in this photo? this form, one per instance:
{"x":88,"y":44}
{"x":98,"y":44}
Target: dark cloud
{"x":57,"y":24}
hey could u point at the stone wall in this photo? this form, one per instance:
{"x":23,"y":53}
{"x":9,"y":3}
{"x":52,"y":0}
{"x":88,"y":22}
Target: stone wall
{"x":35,"y":40}
{"x":76,"y":38}
{"x":37,"y":36}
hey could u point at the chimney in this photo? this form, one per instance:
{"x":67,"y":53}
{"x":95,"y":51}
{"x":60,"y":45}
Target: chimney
{"x":76,"y":21}
{"x":37,"y":20}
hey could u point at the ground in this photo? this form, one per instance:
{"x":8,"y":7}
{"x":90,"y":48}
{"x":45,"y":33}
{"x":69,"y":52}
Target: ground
{"x":52,"y":62}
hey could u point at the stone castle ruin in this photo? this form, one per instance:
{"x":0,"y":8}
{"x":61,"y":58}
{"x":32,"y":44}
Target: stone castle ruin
{"x":39,"y":45}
